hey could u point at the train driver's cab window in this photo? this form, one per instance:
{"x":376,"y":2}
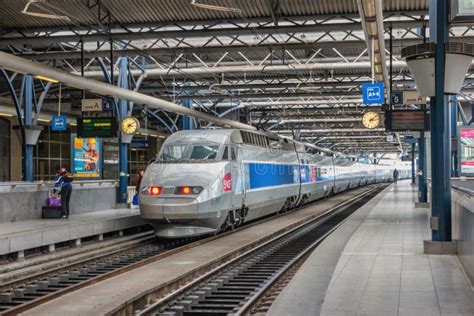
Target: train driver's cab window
{"x":225,"y":154}
{"x":172,"y":152}
{"x":204,"y":152}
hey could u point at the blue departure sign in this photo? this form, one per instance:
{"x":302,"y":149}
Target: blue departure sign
{"x":58,"y":123}
{"x":373,"y":93}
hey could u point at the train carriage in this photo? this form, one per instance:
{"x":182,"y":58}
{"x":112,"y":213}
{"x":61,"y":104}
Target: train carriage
{"x":205,"y":181}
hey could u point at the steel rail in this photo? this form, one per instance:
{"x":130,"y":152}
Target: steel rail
{"x":55,"y":271}
{"x":190,"y":286}
{"x":250,"y":304}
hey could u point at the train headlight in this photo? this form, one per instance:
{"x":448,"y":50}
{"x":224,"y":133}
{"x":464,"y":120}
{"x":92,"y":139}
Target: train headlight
{"x":187,"y":190}
{"x":154,"y":190}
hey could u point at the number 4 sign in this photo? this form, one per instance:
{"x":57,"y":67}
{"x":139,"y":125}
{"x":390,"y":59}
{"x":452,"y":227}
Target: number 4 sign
{"x":373,"y":93}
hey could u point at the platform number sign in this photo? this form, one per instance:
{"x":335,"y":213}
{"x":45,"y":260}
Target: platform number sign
{"x":397,"y":97}
{"x":373,"y":93}
{"x":227,"y":182}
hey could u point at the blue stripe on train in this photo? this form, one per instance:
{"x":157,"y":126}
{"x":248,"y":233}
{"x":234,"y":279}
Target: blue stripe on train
{"x":260,"y":175}
{"x":266,"y":174}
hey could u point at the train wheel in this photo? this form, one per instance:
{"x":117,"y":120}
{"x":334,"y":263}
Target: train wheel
{"x":229,"y":222}
{"x":304,"y":200}
{"x":285,"y":206}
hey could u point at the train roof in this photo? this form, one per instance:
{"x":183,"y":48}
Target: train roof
{"x":225,"y":135}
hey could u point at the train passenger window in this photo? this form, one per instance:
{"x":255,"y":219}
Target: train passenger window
{"x":233,"y":153}
{"x":225,"y":154}
{"x":201,"y":152}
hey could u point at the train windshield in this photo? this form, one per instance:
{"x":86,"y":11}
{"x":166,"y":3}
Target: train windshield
{"x":189,"y":152}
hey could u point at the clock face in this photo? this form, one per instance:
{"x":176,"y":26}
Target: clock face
{"x":130,"y":125}
{"x":371,"y":120}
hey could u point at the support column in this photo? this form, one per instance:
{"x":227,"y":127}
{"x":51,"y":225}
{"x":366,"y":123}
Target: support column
{"x":187,"y":122}
{"x":453,"y":106}
{"x":27,"y":121}
{"x":413,"y":180}
{"x":440,"y":131}
{"x":123,"y":107}
{"x":422,"y":188}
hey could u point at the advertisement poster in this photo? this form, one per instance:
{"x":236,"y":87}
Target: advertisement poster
{"x":86,"y":157}
{"x":467,"y":151}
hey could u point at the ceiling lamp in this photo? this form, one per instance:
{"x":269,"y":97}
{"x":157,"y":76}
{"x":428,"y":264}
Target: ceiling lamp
{"x":43,"y":15}
{"x":214,"y":7}
{"x":421,"y":61}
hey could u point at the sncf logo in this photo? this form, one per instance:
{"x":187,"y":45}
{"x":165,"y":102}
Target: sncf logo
{"x":227,"y":182}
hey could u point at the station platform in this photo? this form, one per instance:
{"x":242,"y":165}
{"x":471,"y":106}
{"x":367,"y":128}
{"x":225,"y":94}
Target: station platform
{"x":374,"y":264}
{"x":18,"y":237}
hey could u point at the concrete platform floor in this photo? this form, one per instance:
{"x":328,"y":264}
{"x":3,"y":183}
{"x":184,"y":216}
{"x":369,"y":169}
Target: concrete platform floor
{"x":111,"y":295}
{"x":374,"y":265}
{"x":20,"y":236}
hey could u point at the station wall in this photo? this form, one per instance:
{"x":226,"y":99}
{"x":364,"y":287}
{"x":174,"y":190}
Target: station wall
{"x":24,"y":201}
{"x":54,"y":149}
{"x":463,"y":224}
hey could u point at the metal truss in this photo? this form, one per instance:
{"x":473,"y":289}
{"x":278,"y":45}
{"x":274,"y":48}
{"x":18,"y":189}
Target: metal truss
{"x":277,"y":71}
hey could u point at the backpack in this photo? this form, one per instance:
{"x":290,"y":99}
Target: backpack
{"x":68,"y":177}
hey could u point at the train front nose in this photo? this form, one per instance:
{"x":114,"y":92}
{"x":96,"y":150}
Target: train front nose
{"x":170,"y":206}
{"x":180,"y":188}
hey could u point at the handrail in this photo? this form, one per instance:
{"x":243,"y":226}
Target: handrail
{"x":40,"y":184}
{"x":464,"y":190}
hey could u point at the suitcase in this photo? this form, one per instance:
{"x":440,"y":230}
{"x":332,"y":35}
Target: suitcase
{"x":135,"y":200}
{"x":53,"y":201}
{"x":51,"y":212}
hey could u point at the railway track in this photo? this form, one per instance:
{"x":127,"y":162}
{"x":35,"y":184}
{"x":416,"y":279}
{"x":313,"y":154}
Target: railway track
{"x":24,"y":293}
{"x":248,"y":283}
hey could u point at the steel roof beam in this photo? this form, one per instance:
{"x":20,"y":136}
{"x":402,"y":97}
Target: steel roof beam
{"x":200,"y":33}
{"x":371,"y":16}
{"x":186,"y":50}
{"x":208,"y":23}
{"x":21,"y":65}
{"x":157,"y":72}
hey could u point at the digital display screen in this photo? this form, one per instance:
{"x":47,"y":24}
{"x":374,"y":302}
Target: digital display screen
{"x":104,"y":127}
{"x":406,"y":120}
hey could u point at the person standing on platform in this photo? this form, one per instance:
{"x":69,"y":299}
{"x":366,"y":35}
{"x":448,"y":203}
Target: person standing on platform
{"x":57,"y":176}
{"x":395,"y":175}
{"x":64,"y":184}
{"x":137,"y":187}
{"x":139,"y":181}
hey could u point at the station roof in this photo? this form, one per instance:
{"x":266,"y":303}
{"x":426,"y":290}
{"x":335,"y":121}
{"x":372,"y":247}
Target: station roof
{"x":290,"y":66}
{"x":84,"y":13}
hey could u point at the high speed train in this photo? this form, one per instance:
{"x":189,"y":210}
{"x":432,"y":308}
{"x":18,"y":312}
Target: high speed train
{"x":206,"y":181}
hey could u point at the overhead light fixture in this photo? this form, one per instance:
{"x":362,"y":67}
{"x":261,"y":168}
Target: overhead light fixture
{"x":6,"y":114}
{"x":43,"y":15}
{"x":214,"y":7}
{"x":372,"y":28}
{"x":47,"y":79}
{"x":44,"y":120}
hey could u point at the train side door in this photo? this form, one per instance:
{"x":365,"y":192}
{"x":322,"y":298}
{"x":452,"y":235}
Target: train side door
{"x":238,"y":173}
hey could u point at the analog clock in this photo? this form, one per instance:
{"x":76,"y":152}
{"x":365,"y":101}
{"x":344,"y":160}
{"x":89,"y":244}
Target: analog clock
{"x":371,"y":120}
{"x":130,"y":125}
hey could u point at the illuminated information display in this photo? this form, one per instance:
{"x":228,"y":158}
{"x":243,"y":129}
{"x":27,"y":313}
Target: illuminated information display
{"x":105,"y":127}
{"x":406,"y":120}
